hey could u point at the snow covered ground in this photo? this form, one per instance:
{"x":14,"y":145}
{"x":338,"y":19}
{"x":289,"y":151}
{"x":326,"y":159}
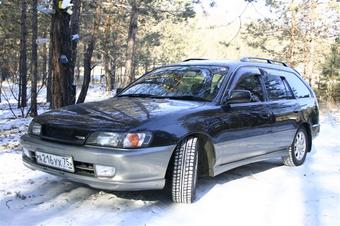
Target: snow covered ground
{"x":264,"y":193}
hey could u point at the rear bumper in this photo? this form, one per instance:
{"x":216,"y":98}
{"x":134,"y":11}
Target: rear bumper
{"x":138,"y":169}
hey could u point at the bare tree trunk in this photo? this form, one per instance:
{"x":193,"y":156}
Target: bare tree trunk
{"x":110,"y":73}
{"x":34,"y":61}
{"x":45,"y":62}
{"x":74,"y":31}
{"x":101,"y":76}
{"x":113,"y":72}
{"x":92,"y":80}
{"x":120,"y":77}
{"x":78,"y":68}
{"x":22,"y":98}
{"x":88,"y":52}
{"x":107,"y":48}
{"x":131,"y":46}
{"x":110,"y":55}
{"x":108,"y":77}
{"x":49,"y":74}
{"x":62,"y":89}
{"x":312,"y":59}
{"x":87,"y":71}
{"x":292,"y":33}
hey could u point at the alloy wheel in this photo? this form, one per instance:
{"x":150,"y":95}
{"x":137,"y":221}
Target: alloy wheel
{"x":300,"y":145}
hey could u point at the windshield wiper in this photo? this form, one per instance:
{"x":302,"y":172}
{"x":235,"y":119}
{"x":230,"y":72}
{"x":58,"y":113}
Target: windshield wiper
{"x":139,"y":95}
{"x":187,"y":97}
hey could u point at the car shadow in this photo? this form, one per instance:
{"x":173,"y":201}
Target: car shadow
{"x":207,"y":183}
{"x":204,"y":185}
{"x":56,"y":196}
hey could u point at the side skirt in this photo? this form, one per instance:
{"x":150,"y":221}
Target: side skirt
{"x":231,"y":165}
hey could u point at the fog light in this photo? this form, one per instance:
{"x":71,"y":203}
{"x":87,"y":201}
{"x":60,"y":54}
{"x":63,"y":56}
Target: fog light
{"x":35,"y":128}
{"x":105,"y":171}
{"x":26,"y":152}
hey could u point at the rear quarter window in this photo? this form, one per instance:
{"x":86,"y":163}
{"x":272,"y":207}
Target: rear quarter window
{"x":299,"y":89}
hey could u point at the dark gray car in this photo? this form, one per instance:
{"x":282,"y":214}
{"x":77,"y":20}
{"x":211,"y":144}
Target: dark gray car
{"x":197,"y":117}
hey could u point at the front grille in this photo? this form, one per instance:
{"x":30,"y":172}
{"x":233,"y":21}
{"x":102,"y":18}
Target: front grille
{"x":81,"y":168}
{"x":64,"y":135}
{"x":84,"y":168}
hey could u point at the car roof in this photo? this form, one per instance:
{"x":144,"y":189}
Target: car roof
{"x":233,"y":64}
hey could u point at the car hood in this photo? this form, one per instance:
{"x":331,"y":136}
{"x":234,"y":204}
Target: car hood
{"x":114,"y":114}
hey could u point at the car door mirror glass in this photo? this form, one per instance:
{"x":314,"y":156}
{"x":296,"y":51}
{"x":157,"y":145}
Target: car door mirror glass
{"x":239,"y":96}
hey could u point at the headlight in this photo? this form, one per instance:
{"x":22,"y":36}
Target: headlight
{"x":119,"y":140}
{"x":34,"y":128}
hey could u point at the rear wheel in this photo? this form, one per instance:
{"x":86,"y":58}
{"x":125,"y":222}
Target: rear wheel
{"x":298,"y":150}
{"x":184,"y":175}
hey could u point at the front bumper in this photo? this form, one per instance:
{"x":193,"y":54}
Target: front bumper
{"x":138,"y":169}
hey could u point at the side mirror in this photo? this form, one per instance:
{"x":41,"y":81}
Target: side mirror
{"x":239,"y":96}
{"x":119,"y":90}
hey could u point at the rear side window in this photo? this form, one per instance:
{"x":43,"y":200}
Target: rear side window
{"x":290,"y":94}
{"x":299,"y":89}
{"x":275,"y":87}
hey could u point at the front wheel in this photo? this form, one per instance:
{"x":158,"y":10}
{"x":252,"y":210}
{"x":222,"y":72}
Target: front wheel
{"x":298,"y":150}
{"x":184,"y":175}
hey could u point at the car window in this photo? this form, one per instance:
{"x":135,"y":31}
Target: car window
{"x":251,"y":82}
{"x":188,"y":80}
{"x":299,"y":89}
{"x":170,"y":83}
{"x":289,"y":92}
{"x":275,"y":87}
{"x":217,"y":78}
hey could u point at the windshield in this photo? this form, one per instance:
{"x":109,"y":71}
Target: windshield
{"x":181,"y":82}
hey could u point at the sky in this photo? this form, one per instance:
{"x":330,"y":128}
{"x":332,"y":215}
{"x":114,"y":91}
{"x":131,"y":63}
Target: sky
{"x":225,"y":11}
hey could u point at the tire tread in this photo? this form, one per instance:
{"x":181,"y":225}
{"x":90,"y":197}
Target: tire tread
{"x":289,"y":159}
{"x":183,"y":172}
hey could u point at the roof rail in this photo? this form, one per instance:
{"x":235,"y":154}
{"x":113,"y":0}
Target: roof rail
{"x":190,"y":59}
{"x":269,"y":61}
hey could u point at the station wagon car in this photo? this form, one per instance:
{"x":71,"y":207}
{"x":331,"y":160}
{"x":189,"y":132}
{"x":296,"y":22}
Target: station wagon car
{"x":176,"y":123}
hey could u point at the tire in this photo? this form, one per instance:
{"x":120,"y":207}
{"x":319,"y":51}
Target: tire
{"x":184,"y":174}
{"x":297,"y":152}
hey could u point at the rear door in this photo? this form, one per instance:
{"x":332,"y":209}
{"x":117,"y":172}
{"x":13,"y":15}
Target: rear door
{"x":284,"y":107}
{"x":308,"y":104}
{"x":245,"y":128}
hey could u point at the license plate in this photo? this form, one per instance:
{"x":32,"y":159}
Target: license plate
{"x":55,"y":161}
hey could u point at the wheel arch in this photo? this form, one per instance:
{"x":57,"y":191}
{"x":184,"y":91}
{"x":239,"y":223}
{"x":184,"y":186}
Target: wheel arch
{"x":207,"y":156}
{"x":307,"y":127}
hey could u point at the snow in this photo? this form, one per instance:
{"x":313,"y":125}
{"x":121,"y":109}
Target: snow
{"x":264,"y":193}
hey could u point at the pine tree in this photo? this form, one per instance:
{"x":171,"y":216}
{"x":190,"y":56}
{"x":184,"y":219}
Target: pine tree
{"x":22,"y":98}
{"x":330,"y":79}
